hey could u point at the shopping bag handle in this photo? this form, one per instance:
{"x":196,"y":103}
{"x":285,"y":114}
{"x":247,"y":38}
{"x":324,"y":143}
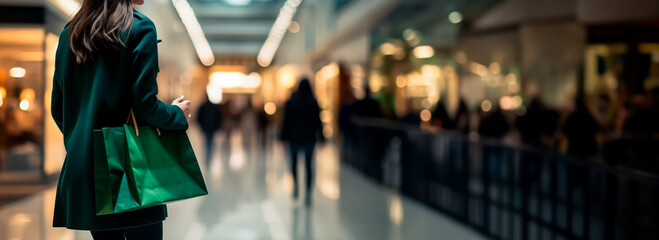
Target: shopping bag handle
{"x":131,"y":118}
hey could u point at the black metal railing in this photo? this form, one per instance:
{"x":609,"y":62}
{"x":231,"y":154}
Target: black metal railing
{"x":507,"y":192}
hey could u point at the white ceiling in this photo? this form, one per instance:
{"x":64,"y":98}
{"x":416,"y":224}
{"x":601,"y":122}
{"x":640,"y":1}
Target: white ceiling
{"x":233,"y":29}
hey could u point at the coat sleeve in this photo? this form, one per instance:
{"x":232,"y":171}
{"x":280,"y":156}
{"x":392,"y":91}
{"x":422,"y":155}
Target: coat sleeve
{"x":57,"y":97}
{"x":144,"y":88}
{"x":56,"y":108}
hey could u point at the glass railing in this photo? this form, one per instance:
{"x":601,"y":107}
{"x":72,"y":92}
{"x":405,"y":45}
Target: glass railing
{"x":507,"y":192}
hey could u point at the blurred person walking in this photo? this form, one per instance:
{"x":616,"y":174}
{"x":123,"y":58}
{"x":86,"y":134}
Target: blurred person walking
{"x":580,"y":129}
{"x":493,"y":124}
{"x":462,"y":118}
{"x":301,"y":129}
{"x":367,"y":106}
{"x":209,"y":118}
{"x":106,"y":63}
{"x":440,"y":117}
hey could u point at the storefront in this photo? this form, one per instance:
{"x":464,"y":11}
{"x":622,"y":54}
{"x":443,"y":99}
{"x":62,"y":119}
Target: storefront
{"x":31,"y":149}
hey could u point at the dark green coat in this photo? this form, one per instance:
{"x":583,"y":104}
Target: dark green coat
{"x":98,"y":94}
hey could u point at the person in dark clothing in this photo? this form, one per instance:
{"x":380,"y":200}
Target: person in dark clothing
{"x":367,"y":107}
{"x":440,"y":117}
{"x":301,"y":129}
{"x":580,"y":129}
{"x":494,"y":125}
{"x":347,"y":127}
{"x":462,"y":119}
{"x":209,"y":118}
{"x":263,"y":120}
{"x":644,"y":114}
{"x":411,"y":118}
{"x":529,"y":124}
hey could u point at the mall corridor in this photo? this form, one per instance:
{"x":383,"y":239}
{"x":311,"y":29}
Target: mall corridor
{"x":427,"y":119}
{"x":250,"y":199}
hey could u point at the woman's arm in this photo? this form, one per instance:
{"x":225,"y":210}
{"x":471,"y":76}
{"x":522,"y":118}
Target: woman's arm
{"x":144,"y":88}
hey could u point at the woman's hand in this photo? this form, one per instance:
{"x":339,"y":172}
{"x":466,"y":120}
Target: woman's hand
{"x":183,"y":104}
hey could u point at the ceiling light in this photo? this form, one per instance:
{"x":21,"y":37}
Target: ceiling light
{"x":195,"y":32}
{"x":238,"y":2}
{"x":17,"y":72}
{"x":455,"y":17}
{"x":279,"y":28}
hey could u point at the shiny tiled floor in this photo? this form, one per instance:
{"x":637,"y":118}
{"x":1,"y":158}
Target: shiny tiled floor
{"x":250,"y":199}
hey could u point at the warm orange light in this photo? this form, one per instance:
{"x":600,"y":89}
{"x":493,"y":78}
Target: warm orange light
{"x":396,"y":213}
{"x":425,"y":115}
{"x":430,"y":71}
{"x":424,"y":52}
{"x":506,"y":103}
{"x":326,"y":116}
{"x":27,"y":94}
{"x":253,"y":80}
{"x":328,"y":132}
{"x":495,"y":68}
{"x":517,"y":101}
{"x":287,"y":75}
{"x":270,"y":108}
{"x":214,"y":93}
{"x":486,"y":106}
{"x":228,"y":79}
{"x":388,"y":49}
{"x":401,"y":81}
{"x":478,"y":69}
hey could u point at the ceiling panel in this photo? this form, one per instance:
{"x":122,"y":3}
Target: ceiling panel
{"x":236,"y":27}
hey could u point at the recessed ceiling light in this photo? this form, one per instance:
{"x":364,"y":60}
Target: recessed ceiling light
{"x":238,"y":2}
{"x":455,"y":17}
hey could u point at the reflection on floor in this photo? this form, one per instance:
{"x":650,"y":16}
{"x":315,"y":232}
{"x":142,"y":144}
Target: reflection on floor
{"x":250,"y":198}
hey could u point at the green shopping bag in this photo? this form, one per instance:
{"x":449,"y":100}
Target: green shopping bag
{"x":110,"y":179}
{"x":162,"y":167}
{"x":144,"y":167}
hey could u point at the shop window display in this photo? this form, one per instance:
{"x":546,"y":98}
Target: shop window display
{"x":21,"y":104}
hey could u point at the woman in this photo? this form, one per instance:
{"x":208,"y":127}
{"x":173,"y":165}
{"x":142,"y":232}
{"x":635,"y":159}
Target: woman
{"x":301,"y":129}
{"x":106,"y":63}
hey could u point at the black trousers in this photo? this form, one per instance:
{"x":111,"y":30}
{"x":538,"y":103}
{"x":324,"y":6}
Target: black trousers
{"x":148,"y":232}
{"x":209,"y":137}
{"x":308,"y":148}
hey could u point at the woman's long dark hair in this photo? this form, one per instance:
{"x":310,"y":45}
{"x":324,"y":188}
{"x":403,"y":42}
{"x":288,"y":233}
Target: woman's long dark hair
{"x":98,"y":25}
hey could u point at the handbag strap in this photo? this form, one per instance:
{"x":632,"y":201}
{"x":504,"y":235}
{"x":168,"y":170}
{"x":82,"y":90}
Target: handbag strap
{"x":131,"y":118}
